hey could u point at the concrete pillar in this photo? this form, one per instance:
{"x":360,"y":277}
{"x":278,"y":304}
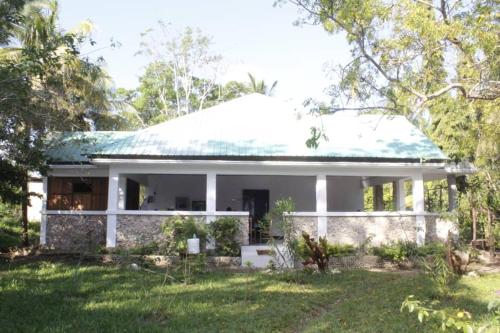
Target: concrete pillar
{"x":211,"y":199}
{"x":378,"y":198}
{"x":398,"y":195}
{"x":321,"y":204}
{"x":419,"y":207}
{"x":113,"y":189}
{"x":122,"y":191}
{"x":43,"y":216}
{"x":452,"y":192}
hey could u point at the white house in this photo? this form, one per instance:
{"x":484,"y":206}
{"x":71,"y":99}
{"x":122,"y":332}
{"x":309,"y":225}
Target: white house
{"x":237,"y":159}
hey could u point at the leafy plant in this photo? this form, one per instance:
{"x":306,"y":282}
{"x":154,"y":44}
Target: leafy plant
{"x":440,"y":273}
{"x":454,"y":319}
{"x":178,"y":229}
{"x":224,"y":231}
{"x":334,"y":250}
{"x":397,"y":252}
{"x":317,"y":251}
{"x":285,"y":254}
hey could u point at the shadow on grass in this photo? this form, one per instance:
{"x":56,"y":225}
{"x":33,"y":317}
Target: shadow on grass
{"x":55,"y":297}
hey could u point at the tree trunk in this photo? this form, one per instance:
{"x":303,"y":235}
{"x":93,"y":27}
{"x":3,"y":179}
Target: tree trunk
{"x":474,"y":223}
{"x":24,"y":204}
{"x":491,"y":237}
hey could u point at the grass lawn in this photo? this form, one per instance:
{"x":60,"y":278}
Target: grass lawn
{"x":65,"y":297}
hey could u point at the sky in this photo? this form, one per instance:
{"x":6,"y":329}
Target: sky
{"x":251,"y":35}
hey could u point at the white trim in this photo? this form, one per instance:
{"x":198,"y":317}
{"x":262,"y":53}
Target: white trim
{"x":360,"y":214}
{"x":43,"y":217}
{"x":74,"y":212}
{"x":143,"y":212}
{"x":179,"y":212}
{"x":419,"y":207}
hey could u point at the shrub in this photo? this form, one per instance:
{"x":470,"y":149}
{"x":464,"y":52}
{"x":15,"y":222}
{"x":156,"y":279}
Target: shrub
{"x":396,"y":251}
{"x":178,"y":229}
{"x":224,"y":231}
{"x":334,"y":250}
{"x":317,"y":251}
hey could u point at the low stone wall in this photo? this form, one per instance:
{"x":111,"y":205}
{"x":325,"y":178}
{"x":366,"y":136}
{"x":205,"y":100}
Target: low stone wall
{"x":382,"y":229}
{"x":308,"y":224}
{"x":75,"y":233}
{"x":437,"y":228}
{"x":137,"y":230}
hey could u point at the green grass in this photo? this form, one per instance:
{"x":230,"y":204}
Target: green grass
{"x":65,"y":297}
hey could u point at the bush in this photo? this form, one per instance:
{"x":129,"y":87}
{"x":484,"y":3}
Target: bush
{"x":334,"y":250}
{"x":178,"y":229}
{"x":403,"y":250}
{"x":396,"y":251}
{"x":224,"y":231}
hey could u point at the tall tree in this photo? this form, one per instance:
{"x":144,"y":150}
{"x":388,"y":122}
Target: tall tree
{"x":183,"y":62}
{"x":46,"y":85}
{"x":435,"y":61}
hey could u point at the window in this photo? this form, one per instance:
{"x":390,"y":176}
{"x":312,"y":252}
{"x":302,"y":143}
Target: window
{"x":74,"y":193}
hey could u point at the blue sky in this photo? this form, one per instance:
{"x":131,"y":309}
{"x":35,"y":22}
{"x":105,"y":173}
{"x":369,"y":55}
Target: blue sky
{"x":251,"y":35}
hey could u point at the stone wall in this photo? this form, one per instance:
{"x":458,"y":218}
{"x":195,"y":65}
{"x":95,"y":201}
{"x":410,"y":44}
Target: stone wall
{"x":75,"y":233}
{"x":308,"y":224}
{"x":437,"y":228}
{"x":383,"y":229}
{"x":137,"y":230}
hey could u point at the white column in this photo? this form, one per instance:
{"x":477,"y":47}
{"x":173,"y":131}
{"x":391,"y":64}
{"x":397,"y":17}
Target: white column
{"x":211,"y":199}
{"x":399,"y":195}
{"x":321,"y":204}
{"x":112,"y":208}
{"x":452,"y":192}
{"x":419,"y":207}
{"x":122,"y":191}
{"x":43,"y":220}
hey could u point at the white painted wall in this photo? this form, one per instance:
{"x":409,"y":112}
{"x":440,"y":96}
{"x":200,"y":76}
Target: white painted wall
{"x":300,"y":188}
{"x":35,"y":202}
{"x":167,"y":187}
{"x":344,"y":194}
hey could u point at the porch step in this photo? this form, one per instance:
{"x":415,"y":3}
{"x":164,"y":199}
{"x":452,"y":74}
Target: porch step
{"x":259,"y":255}
{"x":249,"y":254}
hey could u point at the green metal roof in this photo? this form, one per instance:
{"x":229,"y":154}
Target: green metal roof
{"x":260,"y":127}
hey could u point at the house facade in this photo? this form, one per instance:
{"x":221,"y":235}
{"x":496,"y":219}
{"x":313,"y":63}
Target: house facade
{"x":115,"y":189}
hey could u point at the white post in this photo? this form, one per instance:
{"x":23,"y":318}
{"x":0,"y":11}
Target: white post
{"x":399,"y":195}
{"x":112,"y":207}
{"x":321,"y":204}
{"x":452,"y":192}
{"x":211,"y":199}
{"x":419,"y":207}
{"x":122,"y":191}
{"x":43,"y":221}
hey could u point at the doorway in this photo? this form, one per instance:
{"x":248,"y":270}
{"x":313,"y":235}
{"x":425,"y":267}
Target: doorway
{"x":256,"y":202}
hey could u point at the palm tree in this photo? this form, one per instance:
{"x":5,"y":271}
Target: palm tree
{"x":260,"y":86}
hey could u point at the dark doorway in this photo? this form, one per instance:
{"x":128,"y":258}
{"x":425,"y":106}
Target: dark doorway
{"x":132,"y":198}
{"x":256,"y":202}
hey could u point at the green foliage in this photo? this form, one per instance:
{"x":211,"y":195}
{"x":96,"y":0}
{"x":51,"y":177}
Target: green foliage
{"x":317,"y":251}
{"x":224,"y":231}
{"x":178,"y":229}
{"x":401,"y":251}
{"x":11,"y":232}
{"x":286,"y":253}
{"x":439,"y":271}
{"x":334,"y":250}
{"x":397,"y":252}
{"x":456,"y":320}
